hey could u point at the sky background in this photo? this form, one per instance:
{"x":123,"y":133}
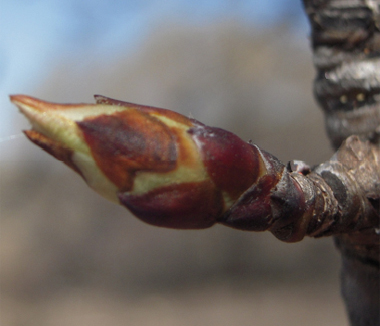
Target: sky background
{"x":37,"y":35}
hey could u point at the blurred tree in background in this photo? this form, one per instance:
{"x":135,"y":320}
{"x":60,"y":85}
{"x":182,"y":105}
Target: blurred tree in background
{"x":68,"y":252}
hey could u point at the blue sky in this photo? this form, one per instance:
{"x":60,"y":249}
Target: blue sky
{"x":36,"y":35}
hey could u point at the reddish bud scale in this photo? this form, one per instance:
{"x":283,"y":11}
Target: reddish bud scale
{"x":232,"y":164}
{"x":275,"y":203}
{"x":146,"y":109}
{"x":179,"y":206}
{"x":127,"y":142}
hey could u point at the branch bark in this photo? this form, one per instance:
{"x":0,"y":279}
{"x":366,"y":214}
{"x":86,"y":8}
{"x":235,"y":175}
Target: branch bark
{"x":346,"y":47}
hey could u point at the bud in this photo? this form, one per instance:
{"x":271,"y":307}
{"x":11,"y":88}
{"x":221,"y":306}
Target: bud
{"x":167,"y":169}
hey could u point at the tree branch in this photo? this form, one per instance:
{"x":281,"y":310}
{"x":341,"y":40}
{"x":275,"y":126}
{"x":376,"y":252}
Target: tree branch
{"x":346,"y":45}
{"x":327,"y":201}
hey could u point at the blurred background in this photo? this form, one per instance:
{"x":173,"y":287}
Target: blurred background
{"x":67,"y":256}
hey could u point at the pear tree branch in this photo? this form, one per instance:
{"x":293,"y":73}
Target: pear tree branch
{"x":345,"y":37}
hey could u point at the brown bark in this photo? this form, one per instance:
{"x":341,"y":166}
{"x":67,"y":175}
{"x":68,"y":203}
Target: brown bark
{"x":345,"y":39}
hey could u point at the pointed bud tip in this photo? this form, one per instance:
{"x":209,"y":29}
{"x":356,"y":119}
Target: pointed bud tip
{"x":32,"y":107}
{"x":20,"y":99}
{"x":23,"y":102}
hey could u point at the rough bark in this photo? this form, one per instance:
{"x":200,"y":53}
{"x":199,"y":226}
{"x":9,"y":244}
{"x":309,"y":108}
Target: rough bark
{"x":326,"y":201}
{"x":345,"y":39}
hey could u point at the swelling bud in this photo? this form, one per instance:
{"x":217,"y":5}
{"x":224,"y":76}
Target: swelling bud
{"x":167,"y":169}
